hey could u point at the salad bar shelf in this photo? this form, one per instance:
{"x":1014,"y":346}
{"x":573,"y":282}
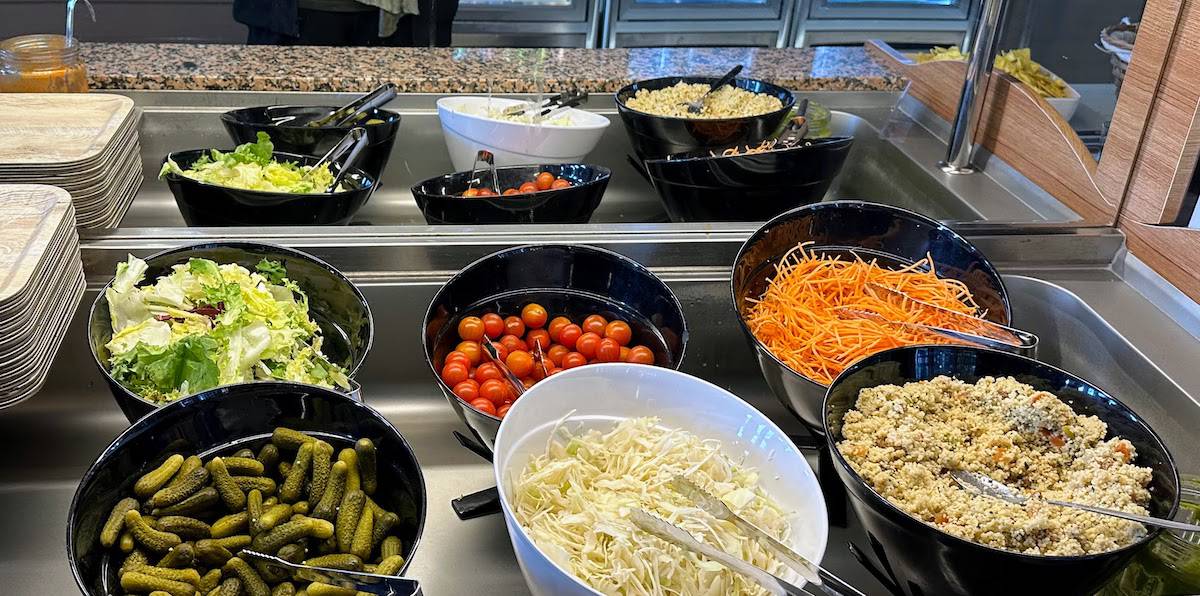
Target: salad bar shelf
{"x":1075,"y":288}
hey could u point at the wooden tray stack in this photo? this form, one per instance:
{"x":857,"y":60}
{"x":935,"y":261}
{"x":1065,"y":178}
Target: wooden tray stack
{"x":84,"y":143}
{"x":41,"y":282}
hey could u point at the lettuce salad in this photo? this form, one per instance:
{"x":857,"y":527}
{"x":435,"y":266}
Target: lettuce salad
{"x":204,"y":325}
{"x":251,"y":167}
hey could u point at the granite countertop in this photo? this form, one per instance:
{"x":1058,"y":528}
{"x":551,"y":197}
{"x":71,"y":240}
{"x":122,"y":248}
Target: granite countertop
{"x":464,"y":70}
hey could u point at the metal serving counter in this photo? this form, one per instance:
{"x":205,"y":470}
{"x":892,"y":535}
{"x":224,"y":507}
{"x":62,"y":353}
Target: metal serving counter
{"x":1077,"y":289}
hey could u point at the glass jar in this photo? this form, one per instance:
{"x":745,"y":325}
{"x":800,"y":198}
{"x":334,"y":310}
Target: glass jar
{"x":1170,"y":565}
{"x":41,"y":64}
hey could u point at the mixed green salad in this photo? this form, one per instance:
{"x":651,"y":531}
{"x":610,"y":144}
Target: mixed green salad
{"x":204,"y":325}
{"x":251,"y":167}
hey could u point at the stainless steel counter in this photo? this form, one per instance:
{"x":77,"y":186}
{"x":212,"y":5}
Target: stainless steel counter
{"x":1075,"y":288}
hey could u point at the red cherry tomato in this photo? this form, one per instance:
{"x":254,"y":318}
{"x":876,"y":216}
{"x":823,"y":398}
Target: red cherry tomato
{"x":568,"y":335}
{"x":470,"y":328}
{"x":472,"y":351}
{"x":544,"y":180}
{"x":468,"y":390}
{"x":514,"y":326}
{"x":595,"y":324}
{"x":493,"y":325}
{"x":560,"y":183}
{"x":608,"y":350}
{"x":510,"y":191}
{"x":487,"y":192}
{"x":455,"y":373}
{"x":457,"y":356}
{"x":494,"y":390}
{"x":527,"y":188}
{"x":540,"y":337}
{"x":555,"y":354}
{"x":503,"y":410}
{"x":488,"y":371}
{"x":587,"y":344}
{"x":528,"y":382}
{"x":573,"y":359}
{"x":539,"y":374}
{"x":513,"y":343}
{"x":534,"y":316}
{"x":556,"y":325}
{"x":520,"y":363}
{"x":641,"y":355}
{"x":484,"y":406}
{"x":470,"y":192}
{"x":624,"y":354}
{"x":619,"y":331}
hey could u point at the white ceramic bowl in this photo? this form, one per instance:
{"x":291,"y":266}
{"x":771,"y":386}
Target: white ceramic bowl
{"x":514,"y":143}
{"x":599,"y":395}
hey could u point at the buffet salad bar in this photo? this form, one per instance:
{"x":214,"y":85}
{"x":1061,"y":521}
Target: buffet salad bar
{"x":939,"y":424}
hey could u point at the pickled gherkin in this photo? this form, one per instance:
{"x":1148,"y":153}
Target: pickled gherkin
{"x":133,"y":561}
{"x":203,"y":500}
{"x":190,"y":576}
{"x":365,"y":449}
{"x":272,"y":541}
{"x":212,"y":554}
{"x":252,"y":582}
{"x":286,"y":438}
{"x":360,"y":545}
{"x":316,"y":589}
{"x":390,"y":565}
{"x":268,"y":456}
{"x":189,"y":464}
{"x":155,"y":479}
{"x":272,"y":516}
{"x":290,"y":492}
{"x":178,"y":557}
{"x":232,"y":543}
{"x":391,"y":547}
{"x":186,"y":487}
{"x":232,"y":586}
{"x":260,"y":483}
{"x":116,"y":521}
{"x":254,"y":508}
{"x":154,"y":540}
{"x":243,"y":466}
{"x":338,"y":561}
{"x":353,"y":478}
{"x":234,"y":523}
{"x":284,"y":589}
{"x":184,"y":526}
{"x":136,"y":581}
{"x":209,"y":581}
{"x":347,"y":518}
{"x":383,"y":526}
{"x":231,"y":493}
{"x":327,"y":507}
{"x":322,"y":461}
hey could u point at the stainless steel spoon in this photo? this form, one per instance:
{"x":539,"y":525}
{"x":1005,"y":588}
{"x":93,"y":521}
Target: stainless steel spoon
{"x":697,"y":105}
{"x":979,"y":484}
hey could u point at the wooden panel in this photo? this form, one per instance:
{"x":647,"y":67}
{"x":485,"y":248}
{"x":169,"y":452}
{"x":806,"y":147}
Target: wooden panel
{"x":1171,"y":251}
{"x":1017,"y":126}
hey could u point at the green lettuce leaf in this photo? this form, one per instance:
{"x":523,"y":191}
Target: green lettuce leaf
{"x":273,"y":271}
{"x":166,"y":372}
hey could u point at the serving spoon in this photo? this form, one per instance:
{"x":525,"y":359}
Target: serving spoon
{"x":979,"y":484}
{"x":697,"y":105}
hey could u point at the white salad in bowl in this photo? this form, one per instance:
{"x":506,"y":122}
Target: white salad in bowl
{"x":471,"y":123}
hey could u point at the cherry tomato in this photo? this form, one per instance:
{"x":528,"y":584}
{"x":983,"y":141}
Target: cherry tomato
{"x":556,"y":325}
{"x":457,"y":356}
{"x":527,"y":188}
{"x":468,"y":390}
{"x":619,"y":331}
{"x":544,"y":180}
{"x":488,"y":371}
{"x":555,"y":354}
{"x":470,"y":192}
{"x":487,"y":192}
{"x":608,"y":350}
{"x":568,"y":335}
{"x":471,"y":328}
{"x":493,"y":325}
{"x":625,"y":354}
{"x":510,"y":191}
{"x":534,"y":316}
{"x":514,"y":326}
{"x":587,"y":344}
{"x":561,"y":183}
{"x":595,"y":324}
{"x":539,"y":374}
{"x":573,"y":359}
{"x":540,"y":337}
{"x":455,"y":373}
{"x":641,"y":355}
{"x":528,"y":382}
{"x":513,"y":343}
{"x":520,"y":363}
{"x":503,"y":411}
{"x":494,"y":390}
{"x":471,"y":349}
{"x":484,"y":406}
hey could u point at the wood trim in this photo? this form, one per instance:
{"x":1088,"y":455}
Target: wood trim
{"x":1169,"y":250}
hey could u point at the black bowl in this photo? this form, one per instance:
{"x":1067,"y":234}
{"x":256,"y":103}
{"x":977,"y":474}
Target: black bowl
{"x":569,"y":280}
{"x":659,"y":136}
{"x":203,"y":204}
{"x":437,"y":200}
{"x":892,"y":236}
{"x":244,"y":125}
{"x":222,"y":421}
{"x":924,"y":560}
{"x":698,"y":186}
{"x":334,"y":302}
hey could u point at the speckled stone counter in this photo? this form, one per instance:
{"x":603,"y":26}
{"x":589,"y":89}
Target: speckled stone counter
{"x":464,"y":70}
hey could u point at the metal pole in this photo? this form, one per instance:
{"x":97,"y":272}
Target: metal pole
{"x":979,"y":66}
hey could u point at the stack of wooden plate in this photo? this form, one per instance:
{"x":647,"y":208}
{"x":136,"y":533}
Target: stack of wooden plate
{"x":41,"y":282}
{"x":84,"y":143}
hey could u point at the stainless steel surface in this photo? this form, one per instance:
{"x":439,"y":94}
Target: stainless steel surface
{"x":970,"y":103}
{"x":1066,"y":286}
{"x":891,"y":161}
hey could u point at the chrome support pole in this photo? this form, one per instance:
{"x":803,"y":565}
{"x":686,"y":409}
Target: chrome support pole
{"x":979,"y":66}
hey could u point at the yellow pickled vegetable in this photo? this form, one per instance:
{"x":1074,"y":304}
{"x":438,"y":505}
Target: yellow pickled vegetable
{"x":1017,"y":63}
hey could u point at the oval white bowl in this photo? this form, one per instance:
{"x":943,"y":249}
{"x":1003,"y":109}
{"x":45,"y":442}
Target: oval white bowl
{"x":514,"y":143}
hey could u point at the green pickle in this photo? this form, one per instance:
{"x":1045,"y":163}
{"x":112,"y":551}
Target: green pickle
{"x":209,"y":581}
{"x":284,"y":589}
{"x":116,"y":521}
{"x":338,"y":561}
{"x":383,"y":526}
{"x":244,"y":466}
{"x":271,"y":517}
{"x":268,"y":456}
{"x":232,"y":524}
{"x":189,"y":464}
{"x":254,"y":508}
{"x":232,"y":586}
{"x":176,"y":492}
{"x":196,"y":504}
{"x":290,"y":492}
{"x":347,"y":518}
{"x":212,"y":554}
{"x":360,"y":546}
{"x":390,"y":565}
{"x":365,"y":450}
{"x":136,"y":581}
{"x":326,"y":508}
{"x":178,"y":557}
{"x":286,"y":438}
{"x":186,"y":527}
{"x":322,"y":461}
{"x":133,"y":561}
{"x":154,"y":540}
{"x":231,"y":493}
{"x":272,"y":541}
{"x":353,"y":478}
{"x":155,"y":479}
{"x":260,"y":483}
{"x":391,"y":546}
{"x":252,"y":582}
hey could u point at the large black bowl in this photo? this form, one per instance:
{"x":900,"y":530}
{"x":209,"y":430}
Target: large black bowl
{"x":203,"y":204}
{"x":438,"y":201}
{"x":334,"y":302}
{"x":922,"y":559}
{"x":893,"y":237}
{"x":569,"y":280}
{"x":285,"y":125}
{"x":219,"y":422}
{"x":658,"y":136}
{"x":698,"y":186}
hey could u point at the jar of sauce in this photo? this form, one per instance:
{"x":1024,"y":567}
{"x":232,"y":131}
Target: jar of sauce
{"x":41,"y":64}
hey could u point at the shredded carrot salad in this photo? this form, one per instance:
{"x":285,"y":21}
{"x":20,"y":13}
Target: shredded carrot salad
{"x":798,"y":316}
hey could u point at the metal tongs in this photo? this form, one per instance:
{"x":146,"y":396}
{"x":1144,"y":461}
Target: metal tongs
{"x":354,"y":142}
{"x":371,"y":583}
{"x":493,"y":354}
{"x":548,"y":107}
{"x":797,"y":127}
{"x":490,"y":160}
{"x":352,"y":111}
{"x":812,"y":572}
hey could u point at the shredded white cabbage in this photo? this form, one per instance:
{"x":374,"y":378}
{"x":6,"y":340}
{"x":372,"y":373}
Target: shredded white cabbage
{"x":575,"y":499}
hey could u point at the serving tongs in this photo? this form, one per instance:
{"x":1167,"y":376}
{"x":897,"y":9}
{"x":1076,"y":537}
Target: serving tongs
{"x":489,"y":348}
{"x":813,"y":573}
{"x":354,"y":142}
{"x":371,"y":583}
{"x":548,"y":107}
{"x":490,"y":161}
{"x":354,"y":110}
